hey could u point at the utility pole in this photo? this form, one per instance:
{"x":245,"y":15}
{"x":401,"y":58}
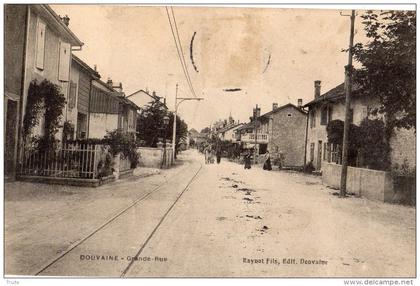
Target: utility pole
{"x":255,"y":129}
{"x":181,"y":99}
{"x":174,"y":126}
{"x":349,"y":73}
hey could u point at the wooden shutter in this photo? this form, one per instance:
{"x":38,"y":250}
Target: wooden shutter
{"x":40,"y":44}
{"x":72,"y":96}
{"x":64,"y":61}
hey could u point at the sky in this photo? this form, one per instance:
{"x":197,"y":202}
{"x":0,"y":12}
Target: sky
{"x":273,"y":55}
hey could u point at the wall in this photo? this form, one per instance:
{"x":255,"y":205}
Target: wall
{"x":14,"y":47}
{"x":287,"y":135}
{"x":403,"y":149}
{"x":372,"y":184}
{"x":51,"y":62}
{"x":100,"y":123}
{"x":152,"y":157}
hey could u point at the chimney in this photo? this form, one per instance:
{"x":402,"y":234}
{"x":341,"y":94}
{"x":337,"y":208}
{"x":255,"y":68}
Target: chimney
{"x":317,"y":84}
{"x":66,"y":20}
{"x":257,"y":111}
{"x":300,"y":102}
{"x":275,"y":105}
{"x":95,"y":68}
{"x":109,"y":82}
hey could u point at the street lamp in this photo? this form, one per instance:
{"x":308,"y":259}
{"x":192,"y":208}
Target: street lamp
{"x":181,"y":100}
{"x":165,"y":124}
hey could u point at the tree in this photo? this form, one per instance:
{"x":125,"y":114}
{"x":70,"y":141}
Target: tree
{"x":388,"y":62}
{"x":151,"y":129}
{"x":206,"y":130}
{"x":150,"y":123}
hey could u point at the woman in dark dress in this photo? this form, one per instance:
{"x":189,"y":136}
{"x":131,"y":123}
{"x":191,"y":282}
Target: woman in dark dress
{"x":218,"y":155}
{"x":247,"y":160}
{"x":267,"y":162}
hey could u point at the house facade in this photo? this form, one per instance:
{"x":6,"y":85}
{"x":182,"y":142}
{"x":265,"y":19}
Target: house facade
{"x":331,"y":106}
{"x":286,"y":129}
{"x":78,"y":104}
{"x":110,"y":110}
{"x":38,"y":46}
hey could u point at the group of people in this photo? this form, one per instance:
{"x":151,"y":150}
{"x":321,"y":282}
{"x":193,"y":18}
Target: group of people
{"x":248,"y":158}
{"x":209,"y":154}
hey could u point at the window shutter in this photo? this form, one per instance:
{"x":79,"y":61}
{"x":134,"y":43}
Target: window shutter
{"x":72,"y":97}
{"x":64,"y":62}
{"x":40,"y":44}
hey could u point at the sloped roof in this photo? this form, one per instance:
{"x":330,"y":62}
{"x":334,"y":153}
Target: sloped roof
{"x":281,"y":108}
{"x":337,"y":92}
{"x":228,"y":127}
{"x":85,"y":66}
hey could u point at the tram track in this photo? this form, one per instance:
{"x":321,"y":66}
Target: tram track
{"x":120,"y":213}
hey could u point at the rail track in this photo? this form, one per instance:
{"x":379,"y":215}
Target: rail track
{"x":117,"y":215}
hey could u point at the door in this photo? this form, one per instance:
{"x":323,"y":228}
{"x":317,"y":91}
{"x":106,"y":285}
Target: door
{"x":319,"y":156}
{"x":10,"y":138}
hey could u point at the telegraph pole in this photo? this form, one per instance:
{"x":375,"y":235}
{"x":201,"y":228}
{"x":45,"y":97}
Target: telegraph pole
{"x":174,"y":124}
{"x":349,"y":73}
{"x":256,"y":134}
{"x":180,"y":99}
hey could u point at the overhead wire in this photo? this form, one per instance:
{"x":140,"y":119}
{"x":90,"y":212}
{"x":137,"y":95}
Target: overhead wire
{"x":179,"y":52}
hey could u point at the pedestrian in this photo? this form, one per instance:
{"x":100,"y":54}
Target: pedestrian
{"x":218,"y":155}
{"x":267,"y":161}
{"x":247,"y":160}
{"x":207,"y":155}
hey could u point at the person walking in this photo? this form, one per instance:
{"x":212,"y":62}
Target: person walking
{"x":247,"y":160}
{"x":218,"y":155}
{"x":267,"y":161}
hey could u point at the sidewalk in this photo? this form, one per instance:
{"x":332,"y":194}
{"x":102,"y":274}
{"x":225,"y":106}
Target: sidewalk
{"x":43,"y":220}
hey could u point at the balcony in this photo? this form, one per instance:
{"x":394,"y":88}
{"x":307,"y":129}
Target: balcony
{"x":250,"y":138}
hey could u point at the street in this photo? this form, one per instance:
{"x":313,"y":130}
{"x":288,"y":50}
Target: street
{"x":199,"y":220}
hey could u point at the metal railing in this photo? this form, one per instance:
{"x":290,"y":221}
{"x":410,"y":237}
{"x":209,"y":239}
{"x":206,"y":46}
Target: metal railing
{"x":72,"y":160}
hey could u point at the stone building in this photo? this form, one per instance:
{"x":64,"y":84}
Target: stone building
{"x":286,"y":129}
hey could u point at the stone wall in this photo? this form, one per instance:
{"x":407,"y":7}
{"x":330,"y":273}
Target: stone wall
{"x":152,"y":157}
{"x":403,"y":151}
{"x":372,"y":184}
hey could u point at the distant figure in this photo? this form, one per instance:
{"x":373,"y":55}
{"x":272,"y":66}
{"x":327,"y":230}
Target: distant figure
{"x":207,"y":153}
{"x":218,"y":155}
{"x":267,"y":162}
{"x":247,"y":160}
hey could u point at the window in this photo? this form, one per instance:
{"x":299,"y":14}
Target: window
{"x":312,"y":119}
{"x":64,"y":61}
{"x":40,"y":45}
{"x":330,"y":111}
{"x":324,"y":115}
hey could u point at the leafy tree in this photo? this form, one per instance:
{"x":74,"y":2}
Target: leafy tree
{"x":388,"y":62}
{"x":150,"y":123}
{"x":374,"y":149}
{"x":206,"y":130}
{"x":151,"y":129}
